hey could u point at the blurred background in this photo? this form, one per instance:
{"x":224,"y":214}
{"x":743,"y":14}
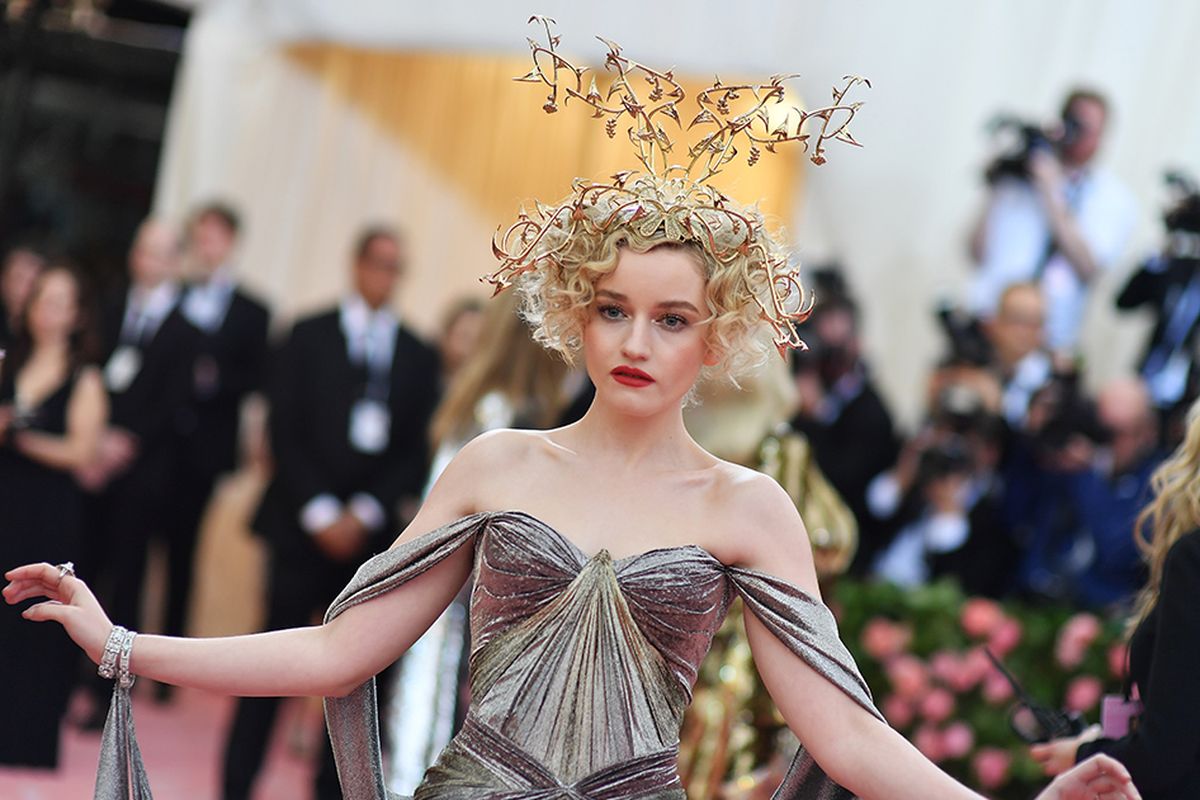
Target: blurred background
{"x":314,"y":119}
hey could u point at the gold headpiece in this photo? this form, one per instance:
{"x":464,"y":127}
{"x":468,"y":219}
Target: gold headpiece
{"x":665,"y":199}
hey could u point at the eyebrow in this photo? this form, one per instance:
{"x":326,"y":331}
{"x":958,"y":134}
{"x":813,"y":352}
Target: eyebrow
{"x":683,"y":304}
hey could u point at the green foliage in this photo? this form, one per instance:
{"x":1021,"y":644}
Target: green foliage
{"x":931,"y":623}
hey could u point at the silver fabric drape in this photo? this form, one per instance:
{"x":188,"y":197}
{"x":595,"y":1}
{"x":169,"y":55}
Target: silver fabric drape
{"x":581,"y":668}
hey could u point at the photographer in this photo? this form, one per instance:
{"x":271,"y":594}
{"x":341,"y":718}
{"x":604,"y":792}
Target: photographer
{"x":941,"y":502}
{"x":841,"y":413}
{"x":1168,"y":285}
{"x":1052,"y":218}
{"x":1076,"y":486}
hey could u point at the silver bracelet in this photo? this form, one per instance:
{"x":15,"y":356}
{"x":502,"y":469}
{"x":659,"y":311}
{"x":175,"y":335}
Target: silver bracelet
{"x":112,"y":648}
{"x":124,"y":677}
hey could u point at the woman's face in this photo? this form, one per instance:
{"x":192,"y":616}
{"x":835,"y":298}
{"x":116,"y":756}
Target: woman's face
{"x":53,"y":306}
{"x":645,"y":338}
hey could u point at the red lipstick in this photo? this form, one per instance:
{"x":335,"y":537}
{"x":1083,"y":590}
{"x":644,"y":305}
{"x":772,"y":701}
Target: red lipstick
{"x":631,"y":376}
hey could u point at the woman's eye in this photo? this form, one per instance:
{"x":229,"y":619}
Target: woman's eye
{"x":610,"y":312}
{"x":673,"y":321}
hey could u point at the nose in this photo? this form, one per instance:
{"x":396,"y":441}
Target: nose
{"x":636,"y":346}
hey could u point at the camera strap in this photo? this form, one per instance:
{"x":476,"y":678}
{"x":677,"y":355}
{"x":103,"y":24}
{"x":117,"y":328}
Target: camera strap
{"x":1073,"y":194}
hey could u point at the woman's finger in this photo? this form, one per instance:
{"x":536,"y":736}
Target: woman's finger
{"x":45,"y":572}
{"x":26,"y":592}
{"x":49,"y":611}
{"x":1104,"y":765}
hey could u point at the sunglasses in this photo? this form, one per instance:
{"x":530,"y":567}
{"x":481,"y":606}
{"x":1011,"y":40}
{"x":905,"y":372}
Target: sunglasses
{"x":1031,"y":721}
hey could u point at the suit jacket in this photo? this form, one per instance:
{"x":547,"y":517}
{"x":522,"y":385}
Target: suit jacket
{"x":154,"y":404}
{"x":313,"y":389}
{"x":228,"y":366}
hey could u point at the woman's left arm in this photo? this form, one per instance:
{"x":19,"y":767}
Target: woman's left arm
{"x":853,"y":746}
{"x":87,"y":414}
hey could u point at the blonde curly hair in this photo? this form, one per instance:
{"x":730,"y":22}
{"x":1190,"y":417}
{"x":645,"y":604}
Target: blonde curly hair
{"x":556,"y":258}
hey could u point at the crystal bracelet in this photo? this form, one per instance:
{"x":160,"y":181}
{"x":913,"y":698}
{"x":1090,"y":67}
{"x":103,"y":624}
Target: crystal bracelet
{"x":124,"y":677}
{"x":112,"y":648}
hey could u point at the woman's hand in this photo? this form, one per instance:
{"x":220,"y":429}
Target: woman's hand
{"x":69,"y":602}
{"x":1098,"y":777}
{"x":1058,"y":756}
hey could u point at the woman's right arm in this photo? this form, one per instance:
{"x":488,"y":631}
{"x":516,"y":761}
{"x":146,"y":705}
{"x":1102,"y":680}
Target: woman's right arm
{"x":321,"y":660}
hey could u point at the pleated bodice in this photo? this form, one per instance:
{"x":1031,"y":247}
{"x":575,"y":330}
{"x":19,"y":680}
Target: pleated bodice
{"x":582,"y":665}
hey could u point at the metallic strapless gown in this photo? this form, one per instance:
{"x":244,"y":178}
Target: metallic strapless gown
{"x":581,"y":667}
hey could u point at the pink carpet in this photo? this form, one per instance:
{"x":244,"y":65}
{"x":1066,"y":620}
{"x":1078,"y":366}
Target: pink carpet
{"x":181,"y":744}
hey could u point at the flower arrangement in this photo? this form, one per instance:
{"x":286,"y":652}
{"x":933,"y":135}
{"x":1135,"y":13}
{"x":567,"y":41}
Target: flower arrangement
{"x":922,"y":652}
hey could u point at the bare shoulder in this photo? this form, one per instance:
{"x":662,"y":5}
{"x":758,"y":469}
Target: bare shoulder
{"x":488,"y":462}
{"x":505,"y":449}
{"x":760,"y":519}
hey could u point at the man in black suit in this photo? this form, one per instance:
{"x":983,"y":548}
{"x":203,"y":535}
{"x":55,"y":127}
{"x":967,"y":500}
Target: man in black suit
{"x":148,"y":349}
{"x":228,"y":365}
{"x":351,"y":395}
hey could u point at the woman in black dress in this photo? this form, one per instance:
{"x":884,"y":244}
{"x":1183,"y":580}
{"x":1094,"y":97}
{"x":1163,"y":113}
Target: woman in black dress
{"x":52,"y":409}
{"x":1162,"y":750}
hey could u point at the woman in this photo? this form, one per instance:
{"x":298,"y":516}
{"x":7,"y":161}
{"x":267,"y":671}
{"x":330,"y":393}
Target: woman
{"x":509,"y":381}
{"x":604,"y":553}
{"x":1162,"y":752}
{"x":52,"y":409}
{"x":658,"y":529}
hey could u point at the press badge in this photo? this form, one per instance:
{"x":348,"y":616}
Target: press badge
{"x":122,"y":367}
{"x":370,"y":426}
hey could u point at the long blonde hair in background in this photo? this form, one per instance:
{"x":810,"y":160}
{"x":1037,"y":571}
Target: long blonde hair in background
{"x":509,"y":361}
{"x":1174,"y":511}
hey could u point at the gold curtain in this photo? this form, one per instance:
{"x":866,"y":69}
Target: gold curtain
{"x":488,"y":135}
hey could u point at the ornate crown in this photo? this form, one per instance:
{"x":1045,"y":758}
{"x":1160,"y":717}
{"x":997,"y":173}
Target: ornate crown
{"x":664,"y":198}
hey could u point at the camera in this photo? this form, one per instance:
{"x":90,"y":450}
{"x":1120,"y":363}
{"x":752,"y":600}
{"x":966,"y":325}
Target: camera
{"x":1065,"y":413}
{"x":966,"y":341}
{"x":1027,"y":138}
{"x":1184,"y":216}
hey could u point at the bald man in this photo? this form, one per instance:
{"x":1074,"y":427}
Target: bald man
{"x":1109,"y":494}
{"x":1015,"y":333}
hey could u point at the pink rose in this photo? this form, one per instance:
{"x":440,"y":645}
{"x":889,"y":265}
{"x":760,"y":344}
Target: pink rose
{"x":976,"y":667}
{"x":945,"y":666}
{"x":937,"y":706}
{"x":957,"y":740}
{"x":1074,"y":639}
{"x":929,"y":741}
{"x":882,"y":638}
{"x":1005,"y":636}
{"x":908,"y":676}
{"x":1117,"y":655}
{"x":996,"y":689}
{"x":991,"y":767}
{"x":897,"y":710}
{"x":1083,"y":693}
{"x":980,"y":617}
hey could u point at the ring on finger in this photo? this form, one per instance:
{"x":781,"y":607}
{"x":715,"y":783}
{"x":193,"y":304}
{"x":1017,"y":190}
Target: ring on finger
{"x":64,"y":569}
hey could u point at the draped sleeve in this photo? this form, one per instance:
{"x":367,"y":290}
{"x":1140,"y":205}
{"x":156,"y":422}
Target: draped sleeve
{"x":353,"y":720}
{"x":807,"y":628}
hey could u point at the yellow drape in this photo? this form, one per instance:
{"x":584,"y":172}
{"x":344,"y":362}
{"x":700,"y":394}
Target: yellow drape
{"x":490,"y":138}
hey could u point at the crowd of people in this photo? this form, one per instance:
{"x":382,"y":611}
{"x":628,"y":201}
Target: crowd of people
{"x":119,"y":414}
